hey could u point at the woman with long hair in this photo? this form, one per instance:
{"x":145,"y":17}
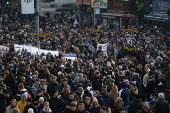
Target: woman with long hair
{"x":114,"y":92}
{"x":12,"y":105}
{"x":118,"y":104}
{"x":64,"y":93}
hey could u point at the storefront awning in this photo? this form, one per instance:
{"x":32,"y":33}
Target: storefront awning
{"x":113,"y":14}
{"x":157,"y":17}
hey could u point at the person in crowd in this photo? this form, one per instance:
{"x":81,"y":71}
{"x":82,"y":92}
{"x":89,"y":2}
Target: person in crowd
{"x":99,"y":98}
{"x":96,"y":106}
{"x":12,"y":106}
{"x":109,"y":82}
{"x":66,"y":108}
{"x":118,"y":105}
{"x":81,"y":108}
{"x":161,"y":106}
{"x":52,"y":86}
{"x":22,"y":103}
{"x":61,"y":86}
{"x":124,"y":93}
{"x":145,"y":109}
{"x":77,"y":94}
{"x":46,"y":108}
{"x":40,"y":104}
{"x":114,"y":92}
{"x":55,"y":102}
{"x":36,"y":86}
{"x":87,"y":104}
{"x":3,"y":96}
{"x":136,"y":104}
{"x":64,"y":93}
{"x":108,"y":100}
{"x":29,"y":105}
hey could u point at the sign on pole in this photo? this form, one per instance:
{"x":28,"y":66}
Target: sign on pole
{"x":27,"y":6}
{"x":97,"y":8}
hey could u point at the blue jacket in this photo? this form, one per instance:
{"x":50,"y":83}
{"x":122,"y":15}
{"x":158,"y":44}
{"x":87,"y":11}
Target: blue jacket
{"x":125,"y":94}
{"x":71,"y":84}
{"x":100,"y":100}
{"x":60,"y":87}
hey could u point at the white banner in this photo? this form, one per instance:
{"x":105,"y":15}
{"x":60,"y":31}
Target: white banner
{"x":104,"y":48}
{"x":33,"y":50}
{"x":27,"y":6}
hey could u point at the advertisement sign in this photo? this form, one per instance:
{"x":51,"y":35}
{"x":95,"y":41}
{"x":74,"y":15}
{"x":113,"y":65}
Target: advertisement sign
{"x":160,"y":5}
{"x":88,"y":8}
{"x":103,"y":3}
{"x":27,"y":6}
{"x":70,"y":56}
{"x":83,"y":1}
{"x":119,"y":5}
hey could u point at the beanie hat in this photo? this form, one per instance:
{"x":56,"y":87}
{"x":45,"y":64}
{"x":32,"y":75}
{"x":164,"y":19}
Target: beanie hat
{"x":94,"y":100}
{"x":41,"y":99}
{"x":80,"y":89}
{"x":21,"y":85}
{"x":145,"y":106}
{"x":24,"y":95}
{"x":29,"y":100}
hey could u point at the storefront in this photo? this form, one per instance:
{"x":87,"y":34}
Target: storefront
{"x":118,"y":13}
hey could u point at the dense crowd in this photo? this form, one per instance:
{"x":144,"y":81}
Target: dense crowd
{"x":133,"y":70}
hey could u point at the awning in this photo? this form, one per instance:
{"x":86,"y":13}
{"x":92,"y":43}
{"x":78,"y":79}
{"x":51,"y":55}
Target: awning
{"x":157,"y":17}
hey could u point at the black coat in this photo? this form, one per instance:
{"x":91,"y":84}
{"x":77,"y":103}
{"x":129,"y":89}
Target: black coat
{"x":96,"y":109}
{"x":88,"y":108}
{"x":97,"y":84}
{"x":3,"y":98}
{"x":10,"y":82}
{"x":100,"y":100}
{"x":142,"y":111}
{"x":161,"y":106}
{"x":55,"y":105}
{"x":51,"y":87}
{"x":135,"y":106}
{"x":30,"y":106}
{"x":84,"y":111}
{"x":109,"y":102}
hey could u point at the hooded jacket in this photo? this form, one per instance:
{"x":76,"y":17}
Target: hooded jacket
{"x":135,"y":105}
{"x":21,"y":105}
{"x":109,"y":102}
{"x":124,"y":93}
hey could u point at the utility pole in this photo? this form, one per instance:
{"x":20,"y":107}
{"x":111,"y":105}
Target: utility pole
{"x":94,"y":12}
{"x":37,"y":20}
{"x":82,"y":13}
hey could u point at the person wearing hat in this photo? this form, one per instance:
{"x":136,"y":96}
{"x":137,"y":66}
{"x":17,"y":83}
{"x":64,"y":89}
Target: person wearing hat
{"x":109,"y":82}
{"x":161,"y":106}
{"x":43,"y":92}
{"x":27,"y":77}
{"x":146,"y":109}
{"x":96,"y":106}
{"x":77,"y":94}
{"x":32,"y":81}
{"x":61,"y":86}
{"x":136,"y":104}
{"x":29,"y":105}
{"x":9,"y":78}
{"x":22,"y":103}
{"x":55,"y":102}
{"x":40,"y":104}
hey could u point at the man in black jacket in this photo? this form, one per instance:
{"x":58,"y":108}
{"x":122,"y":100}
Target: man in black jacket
{"x":29,"y":105}
{"x":3,"y":97}
{"x":9,"y":80}
{"x":161,"y":106}
{"x":55,"y":102}
{"x":52,"y":86}
{"x":88,"y":106}
{"x":136,"y":104}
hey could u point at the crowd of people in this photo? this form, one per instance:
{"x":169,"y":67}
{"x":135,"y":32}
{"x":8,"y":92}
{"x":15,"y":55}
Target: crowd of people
{"x":133,"y":71}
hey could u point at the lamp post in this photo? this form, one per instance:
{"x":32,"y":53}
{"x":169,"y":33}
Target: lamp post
{"x":94,"y":11}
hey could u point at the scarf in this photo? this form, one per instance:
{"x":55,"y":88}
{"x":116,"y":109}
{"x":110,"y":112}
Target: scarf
{"x":47,"y":111}
{"x":129,"y":65}
{"x":4,"y":77}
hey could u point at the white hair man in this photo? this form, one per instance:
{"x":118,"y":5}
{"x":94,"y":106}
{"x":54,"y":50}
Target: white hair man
{"x":161,"y":106}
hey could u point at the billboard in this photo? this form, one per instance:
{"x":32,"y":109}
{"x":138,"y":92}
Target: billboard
{"x":103,"y":3}
{"x":160,"y":5}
